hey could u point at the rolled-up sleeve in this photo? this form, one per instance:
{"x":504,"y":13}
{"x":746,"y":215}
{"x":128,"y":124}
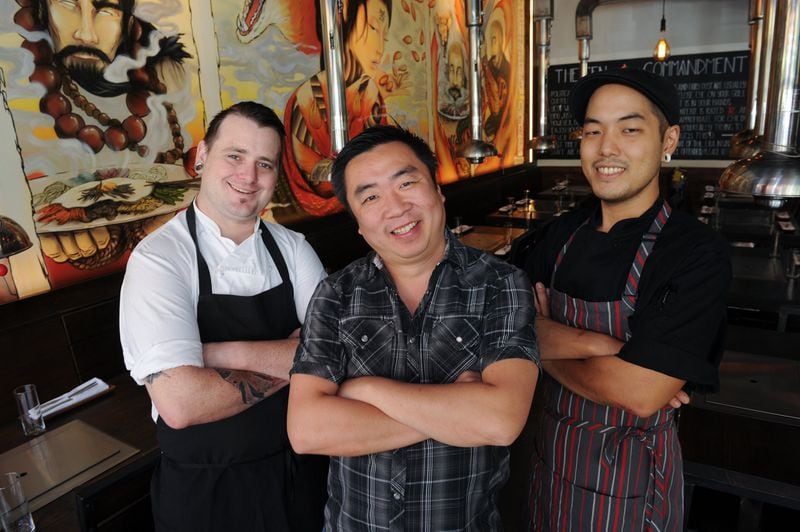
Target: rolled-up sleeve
{"x":158,"y":319}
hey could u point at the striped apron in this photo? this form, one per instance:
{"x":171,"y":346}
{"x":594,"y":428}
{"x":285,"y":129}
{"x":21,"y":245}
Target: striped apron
{"x":598,"y":467}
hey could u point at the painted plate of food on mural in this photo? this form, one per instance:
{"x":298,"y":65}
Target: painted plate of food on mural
{"x":69,"y":202}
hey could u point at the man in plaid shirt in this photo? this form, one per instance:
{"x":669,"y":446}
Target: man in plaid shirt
{"x":417,"y":364}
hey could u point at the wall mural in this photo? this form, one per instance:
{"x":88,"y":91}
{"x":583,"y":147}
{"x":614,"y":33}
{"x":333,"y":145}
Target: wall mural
{"x":105,"y":104}
{"x":404,"y":63}
{"x":502,"y":78}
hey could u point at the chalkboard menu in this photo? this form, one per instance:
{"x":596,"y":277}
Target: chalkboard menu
{"x":712,"y":88}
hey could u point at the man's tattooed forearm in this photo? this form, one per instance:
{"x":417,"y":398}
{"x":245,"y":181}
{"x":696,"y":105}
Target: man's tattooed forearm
{"x":252,"y":386}
{"x":153,"y":376}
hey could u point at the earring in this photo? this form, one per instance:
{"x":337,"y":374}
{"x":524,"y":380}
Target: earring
{"x":198,"y":167}
{"x":667,"y":157}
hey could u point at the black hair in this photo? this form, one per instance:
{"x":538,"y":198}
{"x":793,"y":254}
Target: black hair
{"x":349,"y":24}
{"x":258,"y":113}
{"x":369,"y":139}
{"x":663,"y":125}
{"x":135,"y":33}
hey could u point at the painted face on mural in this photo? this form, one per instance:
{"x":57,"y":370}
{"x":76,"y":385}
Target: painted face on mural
{"x":494,"y":43}
{"x":368,"y":40}
{"x":443,"y":27}
{"x":86,"y":34}
{"x":455,"y":71}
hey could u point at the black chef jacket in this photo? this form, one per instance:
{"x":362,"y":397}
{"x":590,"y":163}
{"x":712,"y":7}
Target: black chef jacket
{"x":679,"y":323}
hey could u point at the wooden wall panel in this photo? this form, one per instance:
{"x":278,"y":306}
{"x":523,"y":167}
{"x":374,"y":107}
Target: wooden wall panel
{"x":38,"y":353}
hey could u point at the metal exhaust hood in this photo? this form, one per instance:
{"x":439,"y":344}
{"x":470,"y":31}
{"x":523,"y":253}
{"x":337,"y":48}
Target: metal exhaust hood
{"x":773,"y":175}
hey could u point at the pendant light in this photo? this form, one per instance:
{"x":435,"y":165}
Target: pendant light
{"x":661,"y":51}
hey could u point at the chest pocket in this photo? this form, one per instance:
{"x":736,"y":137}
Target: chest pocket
{"x":369,"y":344}
{"x":452,"y":349}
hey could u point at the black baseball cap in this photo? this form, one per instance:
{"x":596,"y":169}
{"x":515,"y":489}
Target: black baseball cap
{"x":656,"y":88}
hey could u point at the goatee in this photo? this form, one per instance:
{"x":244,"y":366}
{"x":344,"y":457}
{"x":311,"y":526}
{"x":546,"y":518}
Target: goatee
{"x":89,"y":75}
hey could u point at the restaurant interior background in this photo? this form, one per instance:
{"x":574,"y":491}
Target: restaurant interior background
{"x":88,"y":173}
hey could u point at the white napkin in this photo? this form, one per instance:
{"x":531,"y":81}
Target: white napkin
{"x":503,"y":250}
{"x":83,"y":391}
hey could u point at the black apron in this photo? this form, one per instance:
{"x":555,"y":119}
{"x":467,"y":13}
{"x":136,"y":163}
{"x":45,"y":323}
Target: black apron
{"x":239,"y":473}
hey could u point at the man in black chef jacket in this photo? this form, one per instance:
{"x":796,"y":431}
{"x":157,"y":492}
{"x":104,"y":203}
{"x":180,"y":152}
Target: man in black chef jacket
{"x":210,"y":312}
{"x":635,"y":296}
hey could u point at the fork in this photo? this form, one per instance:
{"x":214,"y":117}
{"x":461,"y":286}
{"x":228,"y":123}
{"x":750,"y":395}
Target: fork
{"x":52,"y":403}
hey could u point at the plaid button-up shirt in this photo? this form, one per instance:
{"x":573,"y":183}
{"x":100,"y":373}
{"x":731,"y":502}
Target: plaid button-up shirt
{"x":477,"y":310}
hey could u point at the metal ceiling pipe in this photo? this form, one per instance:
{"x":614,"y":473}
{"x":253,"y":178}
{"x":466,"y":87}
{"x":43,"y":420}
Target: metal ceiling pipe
{"x":773,"y":175}
{"x":583,"y":31}
{"x":780,"y":133}
{"x":332,"y":44}
{"x":767,"y":42}
{"x":740,"y":139}
{"x":475,"y":150}
{"x":542,"y":18}
{"x":331,"y":19}
{"x":751,"y":145}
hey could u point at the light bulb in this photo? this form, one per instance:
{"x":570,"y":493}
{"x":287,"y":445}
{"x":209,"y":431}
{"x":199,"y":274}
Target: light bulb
{"x":661,"y":51}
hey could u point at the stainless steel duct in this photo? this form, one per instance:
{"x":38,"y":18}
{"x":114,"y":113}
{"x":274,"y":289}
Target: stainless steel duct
{"x":767,"y":42}
{"x":773,"y":175}
{"x":583,"y":31}
{"x":475,"y":150}
{"x":743,"y":138}
{"x":541,"y":19}
{"x":331,"y":19}
{"x":749,"y":145}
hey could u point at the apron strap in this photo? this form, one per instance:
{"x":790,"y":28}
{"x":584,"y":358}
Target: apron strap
{"x":649,"y":238}
{"x":202,"y":268}
{"x":275,"y":253}
{"x":266,"y":237}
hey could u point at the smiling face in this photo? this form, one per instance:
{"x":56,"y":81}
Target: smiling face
{"x":88,"y":32}
{"x":368,"y":38}
{"x":622,"y":148}
{"x":398,"y":207}
{"x":240,"y":171}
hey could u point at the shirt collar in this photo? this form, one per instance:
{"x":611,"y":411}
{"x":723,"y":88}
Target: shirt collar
{"x":454,"y":252}
{"x":628,"y":226}
{"x":208,"y":224}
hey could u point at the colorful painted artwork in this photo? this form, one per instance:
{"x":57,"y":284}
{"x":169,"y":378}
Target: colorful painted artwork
{"x":104,"y":103}
{"x":104,"y":107}
{"x":501,"y":66}
{"x":404,"y":62}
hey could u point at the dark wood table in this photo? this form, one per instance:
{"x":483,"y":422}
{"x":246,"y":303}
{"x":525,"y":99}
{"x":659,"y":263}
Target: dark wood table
{"x":489,"y":238}
{"x":538,"y":211}
{"x":123,"y":413}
